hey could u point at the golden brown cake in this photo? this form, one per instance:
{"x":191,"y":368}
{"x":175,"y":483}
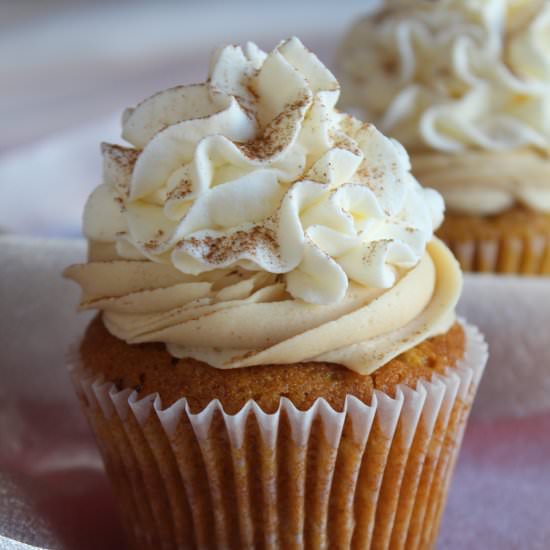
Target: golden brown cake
{"x":516,"y":241}
{"x":149,"y":368}
{"x":277,"y":361}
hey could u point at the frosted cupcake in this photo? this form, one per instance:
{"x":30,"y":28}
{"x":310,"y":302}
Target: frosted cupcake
{"x":277,"y":361}
{"x":465,"y":86}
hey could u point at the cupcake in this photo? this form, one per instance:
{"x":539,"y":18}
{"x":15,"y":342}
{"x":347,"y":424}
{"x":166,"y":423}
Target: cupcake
{"x":465,"y":86}
{"x":276,"y":362}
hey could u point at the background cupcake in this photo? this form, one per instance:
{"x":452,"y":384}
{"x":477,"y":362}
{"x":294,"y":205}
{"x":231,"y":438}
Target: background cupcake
{"x":464,"y":86}
{"x":277,"y":362}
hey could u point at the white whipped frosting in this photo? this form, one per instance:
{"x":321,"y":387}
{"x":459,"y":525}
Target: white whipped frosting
{"x":461,"y":77}
{"x":252,"y":223}
{"x":453,"y":74}
{"x":256,"y":169}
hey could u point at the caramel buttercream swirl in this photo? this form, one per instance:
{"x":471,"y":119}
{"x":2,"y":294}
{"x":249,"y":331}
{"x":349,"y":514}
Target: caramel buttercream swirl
{"x":453,"y":75}
{"x":485,"y":183}
{"x":252,"y":223}
{"x":239,"y":318}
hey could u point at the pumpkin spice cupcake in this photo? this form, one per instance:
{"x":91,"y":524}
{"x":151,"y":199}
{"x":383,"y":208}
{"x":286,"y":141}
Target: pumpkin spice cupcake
{"x":276,"y":362}
{"x":465,"y":87}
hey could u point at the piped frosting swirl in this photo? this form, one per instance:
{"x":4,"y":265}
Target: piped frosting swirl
{"x":249,"y":212}
{"x":459,"y":77}
{"x":453,"y":74}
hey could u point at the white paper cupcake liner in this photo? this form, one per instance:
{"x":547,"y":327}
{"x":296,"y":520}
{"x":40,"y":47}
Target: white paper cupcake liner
{"x":513,"y":255}
{"x":371,"y":476}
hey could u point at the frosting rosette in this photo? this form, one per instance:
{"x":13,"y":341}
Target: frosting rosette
{"x":250,"y":222}
{"x":453,"y":74}
{"x":466,"y":86}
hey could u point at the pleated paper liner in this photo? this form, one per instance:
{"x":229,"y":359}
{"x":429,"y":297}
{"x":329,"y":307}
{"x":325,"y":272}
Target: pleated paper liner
{"x":525,"y":255}
{"x":371,"y":476}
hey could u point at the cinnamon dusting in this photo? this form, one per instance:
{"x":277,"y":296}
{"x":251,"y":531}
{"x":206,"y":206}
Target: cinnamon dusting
{"x":179,"y":192}
{"x":277,"y":133}
{"x":218,"y":250}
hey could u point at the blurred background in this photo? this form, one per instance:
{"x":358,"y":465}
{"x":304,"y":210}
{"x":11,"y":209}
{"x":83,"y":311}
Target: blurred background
{"x":68,"y":68}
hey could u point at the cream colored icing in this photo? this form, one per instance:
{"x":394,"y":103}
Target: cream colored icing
{"x":458,"y":76}
{"x":485,"y":183}
{"x":252,"y":223}
{"x":241,"y":318}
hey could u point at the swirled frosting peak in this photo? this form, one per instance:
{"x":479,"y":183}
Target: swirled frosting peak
{"x":256,"y":169}
{"x":451,"y":75}
{"x":251,"y":223}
